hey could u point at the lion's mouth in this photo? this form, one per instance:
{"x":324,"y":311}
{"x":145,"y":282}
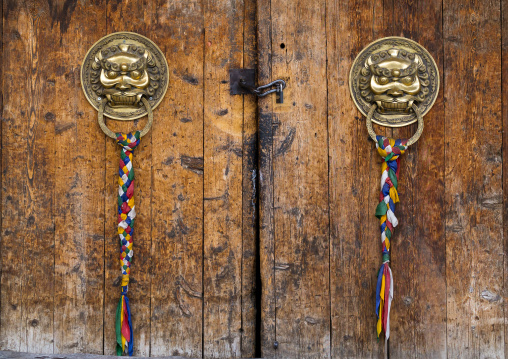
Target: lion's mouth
{"x":123,"y":100}
{"x":395,"y":106}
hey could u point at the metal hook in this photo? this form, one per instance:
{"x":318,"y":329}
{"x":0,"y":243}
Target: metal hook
{"x":243,"y":81}
{"x":280,"y":85}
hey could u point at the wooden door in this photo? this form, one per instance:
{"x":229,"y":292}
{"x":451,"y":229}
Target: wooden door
{"x":256,"y":233}
{"x":320,"y":173}
{"x":192,"y":289}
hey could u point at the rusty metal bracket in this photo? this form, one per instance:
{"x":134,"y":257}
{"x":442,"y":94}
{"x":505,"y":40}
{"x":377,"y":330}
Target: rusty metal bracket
{"x":243,"y":82}
{"x":236,"y":75}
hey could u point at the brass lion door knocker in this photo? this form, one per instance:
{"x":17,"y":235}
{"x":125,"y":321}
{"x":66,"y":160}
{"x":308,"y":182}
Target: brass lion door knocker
{"x":394,"y":82}
{"x":124,"y":77}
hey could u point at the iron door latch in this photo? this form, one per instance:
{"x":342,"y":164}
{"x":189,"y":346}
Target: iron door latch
{"x":243,"y":81}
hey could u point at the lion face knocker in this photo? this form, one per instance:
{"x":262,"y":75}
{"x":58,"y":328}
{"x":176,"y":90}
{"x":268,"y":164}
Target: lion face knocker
{"x":394,"y":79}
{"x":124,"y":69}
{"x":125,"y":76}
{"x":395,"y":74}
{"x":123,"y":73}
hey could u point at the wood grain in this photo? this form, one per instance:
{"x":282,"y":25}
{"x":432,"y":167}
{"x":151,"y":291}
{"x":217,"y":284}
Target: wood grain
{"x":177,"y":193}
{"x":223,"y":126}
{"x":473,"y":174}
{"x":504,"y":105}
{"x":301,"y":211}
{"x":265,"y":182}
{"x":79,"y":186}
{"x":253,"y":230}
{"x":28,"y":180}
{"x":429,"y":230}
{"x":142,"y":15}
{"x":19,"y":355}
{"x":401,"y":19}
{"x":354,"y":183}
{"x":251,"y":290}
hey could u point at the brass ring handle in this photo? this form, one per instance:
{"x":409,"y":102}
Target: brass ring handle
{"x":412,"y":140}
{"x":110,"y":133}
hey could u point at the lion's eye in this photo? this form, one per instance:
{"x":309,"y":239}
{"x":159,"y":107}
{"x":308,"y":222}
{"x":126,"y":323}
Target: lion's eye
{"x":383,"y":80}
{"x":135,"y":75}
{"x":408,"y":80}
{"x":112,"y":74}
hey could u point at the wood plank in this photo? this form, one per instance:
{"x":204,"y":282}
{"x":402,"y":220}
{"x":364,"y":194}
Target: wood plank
{"x":401,"y":19}
{"x":403,"y":343}
{"x":12,"y":187}
{"x":19,"y":355}
{"x":142,"y":16}
{"x":1,"y":187}
{"x":265,"y":183}
{"x":504,"y":156}
{"x":27,"y":180}
{"x":354,"y":184}
{"x":1,"y":111}
{"x":382,"y":26}
{"x":250,"y":222}
{"x":177,"y":192}
{"x":370,"y":254}
{"x":38,"y":289}
{"x":473,"y":179}
{"x":429,"y":225}
{"x":418,"y":312}
{"x":300,"y":179}
{"x":79,"y":185}
{"x":40,"y":129}
{"x":222,"y":318}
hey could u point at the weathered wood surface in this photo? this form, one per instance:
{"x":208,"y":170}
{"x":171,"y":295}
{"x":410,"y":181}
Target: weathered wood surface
{"x":255,"y":220}
{"x":447,"y":254}
{"x":427,"y":184}
{"x":79,"y":204}
{"x":223,"y":126}
{"x":177,"y":192}
{"x":19,"y":355}
{"x":251,"y":289}
{"x":353,"y":180}
{"x":473,"y":195}
{"x":144,"y":264}
{"x":28,"y":180}
{"x":265,"y":184}
{"x":300,"y":206}
{"x":504,"y":154}
{"x":60,"y":281}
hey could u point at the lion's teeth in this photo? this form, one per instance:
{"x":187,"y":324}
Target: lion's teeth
{"x":123,"y":100}
{"x":395,"y":105}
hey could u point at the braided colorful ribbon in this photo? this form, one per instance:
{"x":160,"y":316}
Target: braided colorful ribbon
{"x":126,"y":215}
{"x":390,"y":150}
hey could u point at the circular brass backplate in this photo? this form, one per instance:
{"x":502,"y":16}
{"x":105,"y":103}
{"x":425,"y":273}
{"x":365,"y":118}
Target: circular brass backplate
{"x":123,"y":67}
{"x":394,"y":73}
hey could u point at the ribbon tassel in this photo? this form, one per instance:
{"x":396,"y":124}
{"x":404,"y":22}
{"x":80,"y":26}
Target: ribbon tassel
{"x":124,"y":327}
{"x":390,"y":150}
{"x":126,"y":215}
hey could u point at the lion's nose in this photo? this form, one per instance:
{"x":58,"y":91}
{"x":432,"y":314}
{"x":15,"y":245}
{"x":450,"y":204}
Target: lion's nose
{"x":395,"y":92}
{"x":123,"y":84}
